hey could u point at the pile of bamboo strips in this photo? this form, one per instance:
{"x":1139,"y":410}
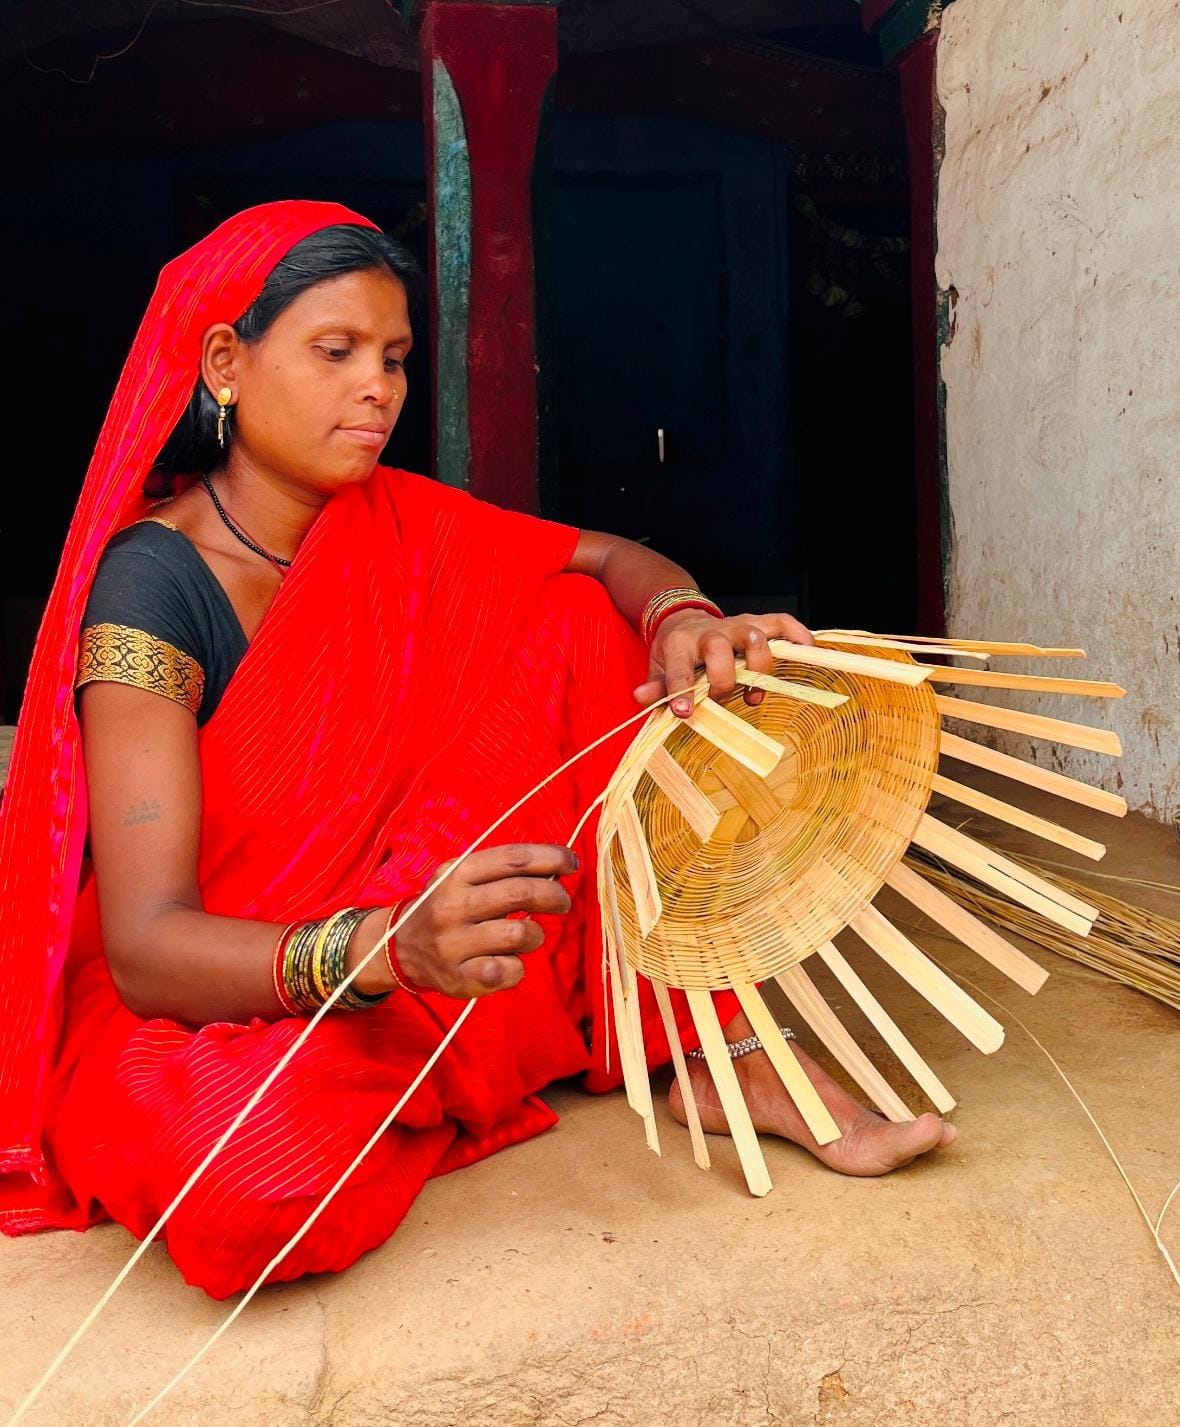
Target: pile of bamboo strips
{"x":1127,"y":943}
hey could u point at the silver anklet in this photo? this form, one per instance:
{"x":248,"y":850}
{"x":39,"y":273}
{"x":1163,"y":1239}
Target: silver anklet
{"x":744,"y":1047}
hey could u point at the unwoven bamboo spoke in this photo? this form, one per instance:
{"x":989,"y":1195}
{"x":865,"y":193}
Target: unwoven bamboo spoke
{"x":946,"y":996}
{"x":872,"y":641}
{"x":696,"y":1133}
{"x":683,"y":793}
{"x":893,"y":671}
{"x":640,"y":872}
{"x":943,"y":645}
{"x":1026,"y":683}
{"x":1018,"y":817}
{"x":804,"y":693}
{"x":887,"y":1028}
{"x":639,"y":1050}
{"x":1008,"y":867}
{"x":950,"y":745}
{"x":1075,"y":735}
{"x":1004,"y":876}
{"x":751,"y":747}
{"x":968,"y":929}
{"x":624,"y":1003}
{"x":729,"y":1092}
{"x":816,"y":1115}
{"x":806,"y":998}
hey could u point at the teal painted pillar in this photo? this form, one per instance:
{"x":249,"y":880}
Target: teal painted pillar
{"x":486,"y":74}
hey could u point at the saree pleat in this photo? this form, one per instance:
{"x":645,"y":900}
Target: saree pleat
{"x":169,"y":1091}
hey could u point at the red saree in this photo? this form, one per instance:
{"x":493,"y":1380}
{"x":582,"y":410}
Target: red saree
{"x":423,"y":664}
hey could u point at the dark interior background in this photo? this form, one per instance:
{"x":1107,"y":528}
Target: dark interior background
{"x":721,"y":255}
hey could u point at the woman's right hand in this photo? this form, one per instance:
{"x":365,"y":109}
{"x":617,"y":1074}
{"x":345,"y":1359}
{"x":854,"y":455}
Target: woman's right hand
{"x":459,"y":941}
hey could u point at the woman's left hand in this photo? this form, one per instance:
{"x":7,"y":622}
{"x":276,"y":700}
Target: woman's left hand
{"x":687,"y":640}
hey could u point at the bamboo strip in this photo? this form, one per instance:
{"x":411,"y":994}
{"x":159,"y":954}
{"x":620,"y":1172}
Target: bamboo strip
{"x":731,"y":826}
{"x":913,"y":965}
{"x":623,"y":1031}
{"x":640,"y":872}
{"x":872,"y":641}
{"x":893,"y":671}
{"x":734,"y":736}
{"x":636,"y":1079}
{"x":942,"y":645}
{"x":806,"y":998}
{"x":822,"y":698}
{"x":950,"y":745}
{"x":888,"y":1029}
{"x":1027,"y":683}
{"x":816,"y":1115}
{"x":696,"y":1133}
{"x":683,"y":793}
{"x":1075,"y":735}
{"x":997,"y":871}
{"x":639,"y":1053}
{"x":751,"y":793}
{"x":1008,"y":867}
{"x":968,"y":929}
{"x":729,"y":1092}
{"x":782,"y":783}
{"x":1009,"y":813}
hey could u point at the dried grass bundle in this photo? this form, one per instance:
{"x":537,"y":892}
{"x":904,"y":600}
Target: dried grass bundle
{"x":1127,"y":943}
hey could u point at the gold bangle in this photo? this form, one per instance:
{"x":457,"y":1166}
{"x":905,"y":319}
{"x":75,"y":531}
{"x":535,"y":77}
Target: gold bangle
{"x":278,"y":963}
{"x":669,"y":601}
{"x":297,"y":967}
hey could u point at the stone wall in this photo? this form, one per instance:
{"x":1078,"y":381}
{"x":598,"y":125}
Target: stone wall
{"x":1059,"y":249}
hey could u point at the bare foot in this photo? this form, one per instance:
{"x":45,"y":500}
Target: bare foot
{"x":868,"y":1144}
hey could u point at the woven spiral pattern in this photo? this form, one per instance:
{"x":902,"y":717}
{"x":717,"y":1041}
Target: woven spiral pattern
{"x":795,"y":856}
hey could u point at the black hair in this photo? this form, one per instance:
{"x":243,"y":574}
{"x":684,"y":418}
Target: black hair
{"x":332,"y":252}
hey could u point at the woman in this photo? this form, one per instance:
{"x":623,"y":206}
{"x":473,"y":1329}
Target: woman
{"x":303,"y":683}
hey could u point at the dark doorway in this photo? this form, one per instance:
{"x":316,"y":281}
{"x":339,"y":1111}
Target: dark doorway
{"x":668,"y":272}
{"x":748,"y":296}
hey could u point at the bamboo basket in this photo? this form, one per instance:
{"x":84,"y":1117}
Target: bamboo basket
{"x":734,"y":845}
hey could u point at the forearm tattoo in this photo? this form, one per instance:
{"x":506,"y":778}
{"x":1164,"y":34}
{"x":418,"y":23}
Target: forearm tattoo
{"x":146,"y":811}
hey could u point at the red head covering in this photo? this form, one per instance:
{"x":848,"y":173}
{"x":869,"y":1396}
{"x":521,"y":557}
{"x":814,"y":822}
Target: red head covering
{"x":43,"y":817}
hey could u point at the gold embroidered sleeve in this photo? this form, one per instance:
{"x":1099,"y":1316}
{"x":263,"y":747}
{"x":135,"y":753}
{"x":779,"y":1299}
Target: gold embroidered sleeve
{"x":117,"y":654}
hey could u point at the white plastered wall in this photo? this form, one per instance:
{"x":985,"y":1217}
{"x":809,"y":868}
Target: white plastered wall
{"x":1059,"y":241}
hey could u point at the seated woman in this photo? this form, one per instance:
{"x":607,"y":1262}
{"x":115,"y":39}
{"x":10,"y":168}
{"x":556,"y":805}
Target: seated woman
{"x":305,"y":682}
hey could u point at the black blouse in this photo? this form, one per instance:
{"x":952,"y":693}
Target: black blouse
{"x":158,"y":618}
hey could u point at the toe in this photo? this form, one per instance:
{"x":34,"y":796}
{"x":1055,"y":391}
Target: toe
{"x":920,"y":1135}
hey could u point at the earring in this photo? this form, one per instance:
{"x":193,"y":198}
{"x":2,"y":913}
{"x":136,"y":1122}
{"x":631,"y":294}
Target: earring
{"x":224,"y":397}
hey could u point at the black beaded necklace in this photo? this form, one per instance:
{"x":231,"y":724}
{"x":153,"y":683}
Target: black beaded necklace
{"x":234,"y":529}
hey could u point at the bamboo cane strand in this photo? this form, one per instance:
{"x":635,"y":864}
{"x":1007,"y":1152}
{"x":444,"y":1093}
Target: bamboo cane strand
{"x":737,"y":1114}
{"x":805,"y":996}
{"x":887,"y":1028}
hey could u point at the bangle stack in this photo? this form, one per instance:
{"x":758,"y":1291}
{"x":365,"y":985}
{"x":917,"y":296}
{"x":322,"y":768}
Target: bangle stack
{"x":309,"y":964}
{"x":671,"y":601}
